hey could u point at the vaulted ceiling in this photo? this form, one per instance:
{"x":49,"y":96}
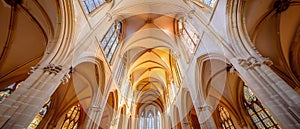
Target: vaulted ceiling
{"x":273,"y":27}
{"x":148,"y":42}
{"x":25,"y":31}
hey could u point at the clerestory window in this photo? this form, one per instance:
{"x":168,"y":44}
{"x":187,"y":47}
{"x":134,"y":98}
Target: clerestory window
{"x":91,"y":5}
{"x":111,"y":40}
{"x":72,"y":118}
{"x":260,"y":115}
{"x":226,"y":121}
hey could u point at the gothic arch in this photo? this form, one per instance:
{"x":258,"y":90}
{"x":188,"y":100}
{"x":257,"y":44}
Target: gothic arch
{"x":271,"y":26}
{"x":41,"y":20}
{"x":61,"y":119}
{"x":232,"y":114}
{"x":95,"y":66}
{"x":148,"y":39}
{"x":203,"y":65}
{"x":177,"y":119}
{"x":62,"y":100}
{"x":188,"y":110}
{"x":122,"y":118}
{"x":110,"y":110}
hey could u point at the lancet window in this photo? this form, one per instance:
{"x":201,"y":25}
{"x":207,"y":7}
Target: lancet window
{"x":91,"y":5}
{"x":260,"y":115}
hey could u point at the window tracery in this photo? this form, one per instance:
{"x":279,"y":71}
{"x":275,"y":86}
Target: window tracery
{"x":90,"y":5}
{"x":150,"y":119}
{"x":111,"y":40}
{"x":72,"y":118}
{"x":260,"y":115}
{"x":177,"y":73}
{"x":188,"y":35}
{"x":226,"y":121}
{"x":9,"y":90}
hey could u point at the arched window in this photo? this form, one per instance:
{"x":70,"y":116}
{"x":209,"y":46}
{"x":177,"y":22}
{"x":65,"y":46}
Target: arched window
{"x":111,"y":40}
{"x":260,"y":115}
{"x":188,"y":35}
{"x":90,"y":5}
{"x":72,"y":118}
{"x":150,"y":119}
{"x":38,"y":118}
{"x":226,"y":121}
{"x":9,"y":90}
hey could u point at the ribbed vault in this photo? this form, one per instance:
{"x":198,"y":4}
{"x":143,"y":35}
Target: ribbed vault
{"x":149,"y":47}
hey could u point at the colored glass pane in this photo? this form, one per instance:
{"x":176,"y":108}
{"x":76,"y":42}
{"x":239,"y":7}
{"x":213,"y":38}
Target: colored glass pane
{"x":72,"y":118}
{"x":260,"y":115}
{"x":5,"y":93}
{"x":226,"y":121}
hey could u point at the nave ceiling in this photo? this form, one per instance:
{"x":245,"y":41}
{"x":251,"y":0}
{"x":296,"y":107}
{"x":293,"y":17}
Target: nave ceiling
{"x":156,"y":70}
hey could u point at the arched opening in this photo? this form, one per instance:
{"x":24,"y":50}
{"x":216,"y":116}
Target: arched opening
{"x":71,"y":120}
{"x":177,"y":119}
{"x":273,"y":28}
{"x":150,"y":118}
{"x":122,"y":118}
{"x":22,"y":51}
{"x":109,"y":111}
{"x":192,"y":117}
{"x":74,"y":95}
{"x":225,"y":118}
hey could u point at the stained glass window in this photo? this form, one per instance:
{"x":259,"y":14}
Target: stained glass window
{"x":121,"y":70}
{"x":9,"y":90}
{"x":111,"y":40}
{"x":178,"y":73}
{"x":38,"y":118}
{"x":210,"y":3}
{"x":188,"y":35}
{"x":260,"y":115}
{"x":72,"y":118}
{"x":150,"y":119}
{"x":226,"y":121}
{"x":90,"y":5}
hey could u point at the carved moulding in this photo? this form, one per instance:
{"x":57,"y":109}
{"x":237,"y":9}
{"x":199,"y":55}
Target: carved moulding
{"x":52,"y":68}
{"x":252,"y":62}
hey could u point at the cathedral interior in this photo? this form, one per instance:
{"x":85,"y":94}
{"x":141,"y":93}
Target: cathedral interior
{"x":150,"y":64}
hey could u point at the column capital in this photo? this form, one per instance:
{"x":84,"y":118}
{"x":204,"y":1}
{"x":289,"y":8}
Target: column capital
{"x":52,"y":68}
{"x":65,"y":78}
{"x":33,"y":68}
{"x":95,"y":108}
{"x":251,"y":62}
{"x":205,"y":108}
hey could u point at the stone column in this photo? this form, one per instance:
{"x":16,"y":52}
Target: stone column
{"x":186,"y":124}
{"x":281,"y":100}
{"x":91,"y":122}
{"x":95,"y":110}
{"x":204,"y":114}
{"x":125,"y":120}
{"x":134,"y":117}
{"x":24,"y":104}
